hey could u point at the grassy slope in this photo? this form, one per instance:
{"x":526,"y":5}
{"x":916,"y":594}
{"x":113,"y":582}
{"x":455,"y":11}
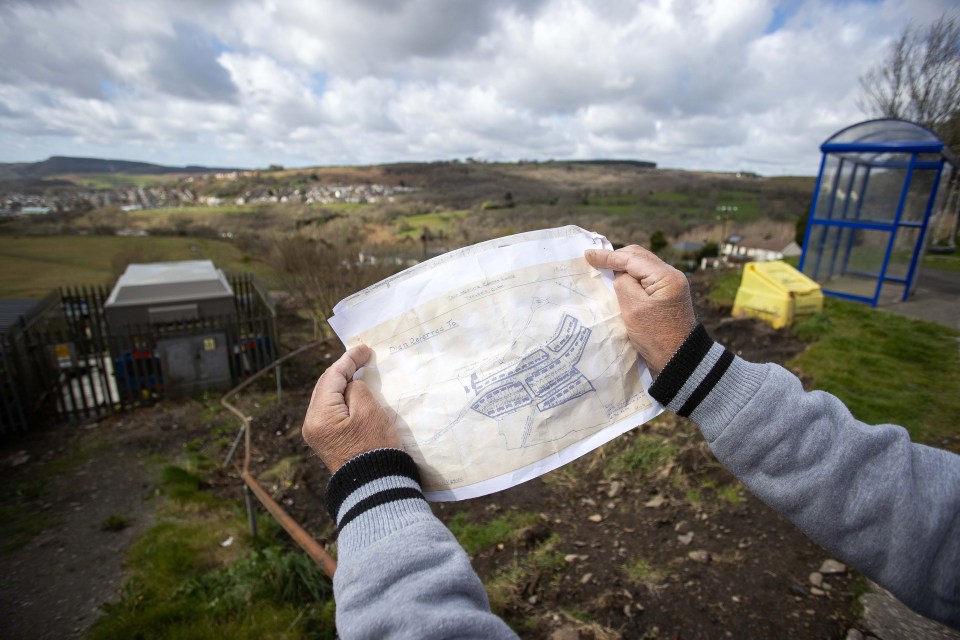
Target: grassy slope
{"x":884,"y":367}
{"x":184,"y":583}
{"x":30,"y":267}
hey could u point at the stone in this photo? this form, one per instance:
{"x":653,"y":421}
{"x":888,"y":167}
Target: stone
{"x":816,"y":579}
{"x":615,"y":488}
{"x":700,"y":555}
{"x":817,"y":592}
{"x":570,"y":557}
{"x":853,"y":634}
{"x":595,"y":518}
{"x":736,"y":599}
{"x":686,"y":538}
{"x":533,"y":599}
{"x":565,"y":633}
{"x":587,"y":577}
{"x":831,"y":567}
{"x":797,"y":590}
{"x":655,"y":502}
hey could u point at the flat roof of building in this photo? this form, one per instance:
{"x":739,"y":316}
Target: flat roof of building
{"x":165,"y":282}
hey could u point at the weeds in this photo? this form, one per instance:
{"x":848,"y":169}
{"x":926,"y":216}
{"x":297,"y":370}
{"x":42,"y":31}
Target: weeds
{"x":185,"y":582}
{"x":505,"y":589}
{"x":114,"y":523}
{"x":730,"y":494}
{"x":642,"y":456}
{"x":474,"y":537}
{"x":641,"y":573}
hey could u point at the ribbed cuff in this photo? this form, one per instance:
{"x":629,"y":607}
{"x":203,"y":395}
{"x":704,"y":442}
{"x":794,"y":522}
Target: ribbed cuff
{"x":702,"y":368}
{"x":681,"y":366}
{"x":692,"y":373}
{"x":366,"y":468}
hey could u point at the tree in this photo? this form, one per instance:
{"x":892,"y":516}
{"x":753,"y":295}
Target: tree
{"x":920,"y":79}
{"x":657,"y":241}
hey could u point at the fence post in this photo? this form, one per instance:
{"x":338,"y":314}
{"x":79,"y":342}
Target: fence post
{"x":251,"y":513}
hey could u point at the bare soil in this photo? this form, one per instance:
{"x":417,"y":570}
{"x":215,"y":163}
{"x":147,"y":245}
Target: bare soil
{"x":748,"y":579}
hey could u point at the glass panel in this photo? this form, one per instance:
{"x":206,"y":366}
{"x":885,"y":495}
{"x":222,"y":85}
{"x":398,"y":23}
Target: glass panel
{"x":827,"y":179}
{"x":915,"y":208}
{"x":846,"y":260}
{"x":903,"y":246}
{"x":884,"y":187}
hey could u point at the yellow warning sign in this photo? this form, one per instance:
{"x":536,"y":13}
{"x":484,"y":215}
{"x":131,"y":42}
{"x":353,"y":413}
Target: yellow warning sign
{"x":209,"y":344}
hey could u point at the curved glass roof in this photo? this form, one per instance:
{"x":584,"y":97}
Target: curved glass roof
{"x":885,"y":130}
{"x":885,"y":140}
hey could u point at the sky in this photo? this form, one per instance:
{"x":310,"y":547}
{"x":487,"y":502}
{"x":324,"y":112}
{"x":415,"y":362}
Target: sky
{"x":724,"y":85}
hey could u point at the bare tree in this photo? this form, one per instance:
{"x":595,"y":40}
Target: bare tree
{"x":318,"y":273}
{"x":920,"y":79}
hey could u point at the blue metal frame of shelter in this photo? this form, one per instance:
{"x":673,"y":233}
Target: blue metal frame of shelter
{"x":833,"y":228}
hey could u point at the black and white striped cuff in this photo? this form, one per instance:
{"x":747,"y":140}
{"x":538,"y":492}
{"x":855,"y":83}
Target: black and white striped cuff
{"x":371,"y":480}
{"x":692,"y":373}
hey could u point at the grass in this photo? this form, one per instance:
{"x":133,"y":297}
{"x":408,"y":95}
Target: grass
{"x":504,"y":589}
{"x":183,"y":582}
{"x":730,"y":493}
{"x":119,"y":180}
{"x":641,"y":573}
{"x":114,"y":522}
{"x":943,"y":262}
{"x":412,"y":226}
{"x":643,"y":455}
{"x":723,"y":289}
{"x":474,"y":537}
{"x":157,"y":215}
{"x":30,"y":267}
{"x":884,"y":367}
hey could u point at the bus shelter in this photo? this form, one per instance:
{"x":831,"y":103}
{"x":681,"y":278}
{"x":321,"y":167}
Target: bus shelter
{"x":878,"y":189}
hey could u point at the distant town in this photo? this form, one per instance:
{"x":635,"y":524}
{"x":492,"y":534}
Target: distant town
{"x":184,"y":194}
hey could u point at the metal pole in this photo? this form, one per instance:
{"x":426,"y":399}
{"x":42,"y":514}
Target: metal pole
{"x":251,"y":512}
{"x":233,"y":447}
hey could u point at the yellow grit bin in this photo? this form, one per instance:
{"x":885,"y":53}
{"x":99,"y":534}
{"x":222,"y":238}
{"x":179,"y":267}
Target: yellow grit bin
{"x":776,"y":293}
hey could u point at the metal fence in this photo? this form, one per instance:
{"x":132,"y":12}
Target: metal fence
{"x":66,"y":366}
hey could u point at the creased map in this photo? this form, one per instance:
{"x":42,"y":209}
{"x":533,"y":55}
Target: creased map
{"x":501,"y":361}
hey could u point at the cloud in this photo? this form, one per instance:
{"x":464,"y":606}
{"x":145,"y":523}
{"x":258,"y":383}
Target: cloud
{"x":711,"y":84}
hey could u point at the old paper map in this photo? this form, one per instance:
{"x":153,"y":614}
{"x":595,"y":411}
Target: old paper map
{"x":499,"y":379}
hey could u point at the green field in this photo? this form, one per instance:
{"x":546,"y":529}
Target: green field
{"x":30,"y":267}
{"x":693,"y":204}
{"x":412,"y":226}
{"x":119,"y":180}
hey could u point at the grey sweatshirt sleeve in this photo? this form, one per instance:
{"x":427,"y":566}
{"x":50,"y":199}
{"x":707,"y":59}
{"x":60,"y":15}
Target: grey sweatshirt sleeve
{"x":400,"y":572}
{"x":865,"y":493}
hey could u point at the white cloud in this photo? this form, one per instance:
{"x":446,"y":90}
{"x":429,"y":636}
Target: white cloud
{"x":713,"y":84}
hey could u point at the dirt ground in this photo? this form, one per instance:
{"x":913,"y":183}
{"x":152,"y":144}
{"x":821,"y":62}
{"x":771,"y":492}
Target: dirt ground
{"x":721,"y":565}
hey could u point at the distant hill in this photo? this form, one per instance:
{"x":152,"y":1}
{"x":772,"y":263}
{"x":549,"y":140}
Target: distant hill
{"x":63,"y":165}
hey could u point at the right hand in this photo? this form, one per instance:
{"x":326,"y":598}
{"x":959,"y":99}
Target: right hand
{"x":344,"y":419}
{"x":654,"y":301}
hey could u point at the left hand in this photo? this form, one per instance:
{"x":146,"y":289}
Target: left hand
{"x":344,"y":419}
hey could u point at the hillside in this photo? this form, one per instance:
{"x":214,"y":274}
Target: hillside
{"x":64,"y":165}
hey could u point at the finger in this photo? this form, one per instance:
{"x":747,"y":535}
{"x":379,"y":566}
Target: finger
{"x":334,"y":380}
{"x":634,"y":260}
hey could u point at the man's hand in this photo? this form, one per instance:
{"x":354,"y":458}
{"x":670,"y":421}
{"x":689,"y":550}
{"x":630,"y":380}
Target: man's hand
{"x":654,"y":301}
{"x":344,"y":419}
